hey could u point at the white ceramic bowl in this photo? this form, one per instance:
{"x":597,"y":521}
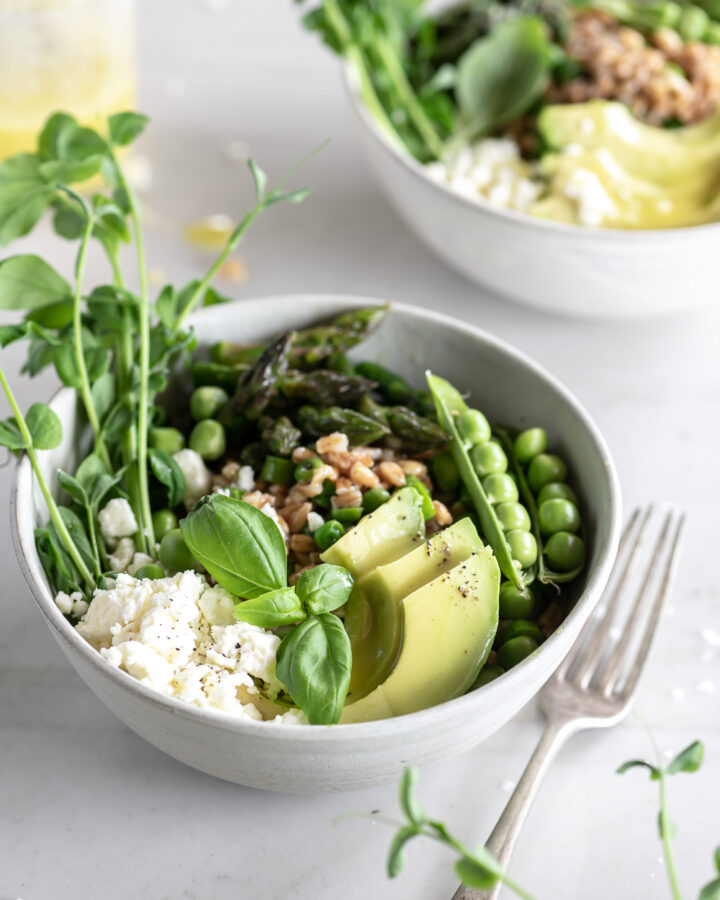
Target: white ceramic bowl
{"x":510,"y":388}
{"x":575,"y":270}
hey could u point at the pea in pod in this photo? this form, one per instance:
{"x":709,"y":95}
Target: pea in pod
{"x":540,"y":477}
{"x":449,"y":404}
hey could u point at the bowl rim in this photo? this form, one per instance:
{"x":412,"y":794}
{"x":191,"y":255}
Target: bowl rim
{"x":383,"y":729}
{"x":582,"y":232}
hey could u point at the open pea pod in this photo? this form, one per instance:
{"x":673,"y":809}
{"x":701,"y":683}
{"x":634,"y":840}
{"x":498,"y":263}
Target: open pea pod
{"x":448,"y":403}
{"x":544,"y":573}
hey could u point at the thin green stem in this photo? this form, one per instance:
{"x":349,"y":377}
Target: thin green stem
{"x":417,"y":114}
{"x":93,"y":541}
{"x":664,"y":818}
{"x":53,"y":510}
{"x":203,"y":285}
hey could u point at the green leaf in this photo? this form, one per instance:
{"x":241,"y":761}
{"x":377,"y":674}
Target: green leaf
{"x":11,"y":333}
{"x":313,"y":663}
{"x":68,"y":222}
{"x":10,"y":436}
{"x":688,"y":760}
{"x":56,"y":315}
{"x":55,"y":135}
{"x":324,"y":588}
{"x":408,"y":803}
{"x":103,"y":485}
{"x":296,"y":196}
{"x":24,"y":196}
{"x":73,"y":488}
{"x":711,"y":891}
{"x":166,"y":306}
{"x":639,"y":764}
{"x":474,"y":874}
{"x":27,"y":282}
{"x":57,"y":564}
{"x":271,"y":610}
{"x":717,"y":859}
{"x":103,"y":393}
{"x":97,"y":361}
{"x":44,"y":427}
{"x":169,"y":474}
{"x":77,"y":533}
{"x":396,"y":859}
{"x":125,"y":127}
{"x":500,"y":76}
{"x":89,"y":470}
{"x":260,"y":179}
{"x":241,"y":547}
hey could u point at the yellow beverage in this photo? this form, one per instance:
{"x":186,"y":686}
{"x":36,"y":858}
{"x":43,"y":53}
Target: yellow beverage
{"x":77,"y":56}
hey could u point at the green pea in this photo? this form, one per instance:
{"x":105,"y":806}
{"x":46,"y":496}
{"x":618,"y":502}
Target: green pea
{"x":473,"y":426}
{"x":348,"y":515}
{"x":374,"y":498}
{"x":170,"y":440}
{"x":427,"y":504}
{"x":207,"y":401}
{"x":445,"y":472}
{"x":500,"y":488}
{"x":530,"y":443}
{"x":515,"y":604}
{"x":174,"y":553}
{"x":151,"y":570}
{"x":557,"y":490}
{"x":523,"y":547}
{"x":163,"y":520}
{"x":327,"y":534}
{"x":277,"y":470}
{"x":208,"y":439}
{"x":488,"y":458}
{"x":543,"y":469}
{"x":513,"y":516}
{"x":304,"y":470}
{"x":565,"y":551}
{"x":517,"y":628}
{"x":516,"y":650}
{"x":488,"y":673}
{"x":558,"y":515}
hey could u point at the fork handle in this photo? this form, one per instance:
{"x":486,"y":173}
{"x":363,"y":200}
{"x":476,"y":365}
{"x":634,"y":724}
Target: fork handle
{"x":502,"y":840}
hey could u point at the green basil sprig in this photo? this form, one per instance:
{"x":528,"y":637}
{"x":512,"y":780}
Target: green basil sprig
{"x":241,"y":547}
{"x":324,"y":588}
{"x":314,"y":663}
{"x":271,"y":610}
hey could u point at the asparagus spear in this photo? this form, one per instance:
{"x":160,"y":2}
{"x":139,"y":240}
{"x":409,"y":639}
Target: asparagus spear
{"x":279,"y":435}
{"x":409,"y":430}
{"x":359,"y":428}
{"x":259,"y":385}
{"x":325,"y":387}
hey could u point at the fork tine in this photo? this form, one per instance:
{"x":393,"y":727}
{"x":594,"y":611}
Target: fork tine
{"x":592,"y":656}
{"x":593,"y":622}
{"x":668,"y":576}
{"x":619,"y":655}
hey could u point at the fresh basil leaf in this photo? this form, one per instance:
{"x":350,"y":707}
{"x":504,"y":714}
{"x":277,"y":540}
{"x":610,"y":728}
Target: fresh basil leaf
{"x":241,"y":547}
{"x":408,"y":802}
{"x":639,"y":764}
{"x":260,"y":179}
{"x":125,"y":127}
{"x":271,"y":610}
{"x":169,"y":474}
{"x":44,"y":427}
{"x":55,"y":315}
{"x":10,"y":435}
{"x":324,"y":588}
{"x":313,"y":663}
{"x":27,"y":282}
{"x":73,"y":488}
{"x":501,"y":75}
{"x":474,"y":874}
{"x":396,"y":859}
{"x":688,"y":760}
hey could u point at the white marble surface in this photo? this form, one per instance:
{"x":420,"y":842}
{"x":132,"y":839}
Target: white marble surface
{"x":87,"y":809}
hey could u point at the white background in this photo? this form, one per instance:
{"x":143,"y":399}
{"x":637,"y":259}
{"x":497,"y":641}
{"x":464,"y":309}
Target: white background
{"x":87,"y":809}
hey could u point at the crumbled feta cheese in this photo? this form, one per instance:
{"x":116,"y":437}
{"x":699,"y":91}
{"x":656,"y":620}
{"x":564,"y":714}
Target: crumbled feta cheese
{"x":71,"y":604}
{"x":79,"y":607}
{"x":138,"y":561}
{"x":123,"y":555}
{"x":314,"y":521}
{"x":117,"y":520}
{"x":179,"y":637}
{"x":245,"y":480}
{"x":594,"y":204}
{"x":198,"y":478}
{"x":271,"y":513}
{"x":291,"y":717}
{"x":64,"y":603}
{"x":491,"y":169}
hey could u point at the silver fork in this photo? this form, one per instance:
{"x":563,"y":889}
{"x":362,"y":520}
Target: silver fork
{"x":591,"y":688}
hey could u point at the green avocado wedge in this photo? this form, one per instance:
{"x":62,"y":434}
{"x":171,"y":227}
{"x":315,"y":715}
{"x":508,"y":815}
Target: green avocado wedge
{"x":449,"y":627}
{"x":391,"y":531}
{"x":374,"y":613}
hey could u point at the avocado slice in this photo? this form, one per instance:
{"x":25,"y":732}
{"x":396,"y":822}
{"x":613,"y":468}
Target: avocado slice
{"x":668,"y":157}
{"x":374,"y":614}
{"x":380,"y":537}
{"x":449,"y":627}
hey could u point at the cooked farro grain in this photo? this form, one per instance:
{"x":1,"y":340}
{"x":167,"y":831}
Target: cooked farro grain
{"x":442,"y":514}
{"x":230,"y":471}
{"x":349,"y":498}
{"x":324,"y":473}
{"x":336,"y":442}
{"x":301,"y":453}
{"x":259,"y":499}
{"x":391,"y":473}
{"x":413,"y":467}
{"x":363,"y":476}
{"x":302,"y":543}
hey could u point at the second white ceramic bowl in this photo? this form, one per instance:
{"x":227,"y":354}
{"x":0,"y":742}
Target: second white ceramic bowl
{"x":568,"y":269}
{"x":511,"y":389}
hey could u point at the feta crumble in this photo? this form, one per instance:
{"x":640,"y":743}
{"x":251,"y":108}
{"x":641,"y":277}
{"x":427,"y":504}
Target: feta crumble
{"x":117,"y":520}
{"x":198,"y":478}
{"x":245,"y":480}
{"x":178,"y":636}
{"x":314,"y":521}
